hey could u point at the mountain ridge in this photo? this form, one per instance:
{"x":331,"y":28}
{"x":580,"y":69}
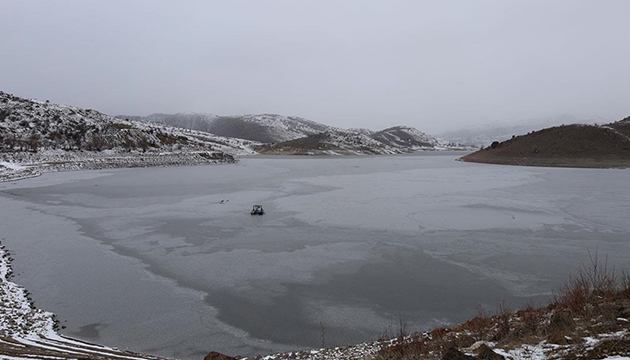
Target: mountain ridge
{"x":295,"y":135}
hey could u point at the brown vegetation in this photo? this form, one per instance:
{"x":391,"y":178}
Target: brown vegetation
{"x":566,"y":146}
{"x":594,"y":304}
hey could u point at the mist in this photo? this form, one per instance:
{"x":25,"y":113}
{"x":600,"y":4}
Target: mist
{"x":436,"y":66}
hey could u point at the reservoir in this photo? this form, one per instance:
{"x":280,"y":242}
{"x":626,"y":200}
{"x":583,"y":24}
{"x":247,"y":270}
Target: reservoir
{"x":169,"y":261}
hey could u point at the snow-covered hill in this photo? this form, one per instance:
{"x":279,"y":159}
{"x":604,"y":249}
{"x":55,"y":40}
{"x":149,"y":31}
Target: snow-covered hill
{"x":33,"y":125}
{"x":192,"y":121}
{"x":333,"y":142}
{"x":48,"y":137}
{"x":294,"y":135}
{"x":394,"y":140}
{"x":406,"y":137}
{"x":266,"y":128}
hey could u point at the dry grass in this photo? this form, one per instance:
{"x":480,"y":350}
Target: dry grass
{"x":589,"y":304}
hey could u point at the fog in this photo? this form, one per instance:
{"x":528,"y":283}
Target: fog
{"x":434,"y":65}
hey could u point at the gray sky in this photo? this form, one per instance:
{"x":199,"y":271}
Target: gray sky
{"x":434,"y":65}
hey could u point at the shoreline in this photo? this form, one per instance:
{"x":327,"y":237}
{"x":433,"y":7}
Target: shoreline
{"x":19,"y":166}
{"x":550,"y":162}
{"x":27,"y":332}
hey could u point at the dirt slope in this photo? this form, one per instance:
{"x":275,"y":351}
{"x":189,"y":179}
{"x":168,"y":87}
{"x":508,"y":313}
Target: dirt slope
{"x":567,"y":145}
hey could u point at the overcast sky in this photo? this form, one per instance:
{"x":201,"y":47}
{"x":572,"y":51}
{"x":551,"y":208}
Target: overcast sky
{"x":435,"y":65}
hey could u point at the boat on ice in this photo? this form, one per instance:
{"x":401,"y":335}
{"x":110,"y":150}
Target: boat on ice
{"x":257,"y":210}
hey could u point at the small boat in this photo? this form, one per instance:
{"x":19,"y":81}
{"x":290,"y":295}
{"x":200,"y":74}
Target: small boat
{"x":257,"y":210}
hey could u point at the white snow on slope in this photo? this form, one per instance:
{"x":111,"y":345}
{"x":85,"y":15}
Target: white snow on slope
{"x":11,"y":166}
{"x":34,"y":125}
{"x":287,"y":127}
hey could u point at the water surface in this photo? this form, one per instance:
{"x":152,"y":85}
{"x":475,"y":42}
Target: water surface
{"x":169,"y":261}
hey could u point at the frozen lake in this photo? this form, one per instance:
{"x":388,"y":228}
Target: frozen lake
{"x":151,"y":260}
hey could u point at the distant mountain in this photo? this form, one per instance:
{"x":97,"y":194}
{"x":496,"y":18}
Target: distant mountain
{"x":405,"y":137}
{"x":333,"y":142}
{"x":266,"y":128}
{"x":34,"y":125}
{"x":484,"y":135}
{"x":192,"y":121}
{"x":294,"y":135}
{"x":394,"y":140}
{"x":567,"y":145}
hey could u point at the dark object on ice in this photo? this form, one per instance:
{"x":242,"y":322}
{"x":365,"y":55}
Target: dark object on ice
{"x":257,"y":210}
{"x":213,"y":355}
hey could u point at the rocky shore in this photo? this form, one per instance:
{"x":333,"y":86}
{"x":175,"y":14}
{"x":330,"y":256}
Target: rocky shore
{"x":21,"y":165}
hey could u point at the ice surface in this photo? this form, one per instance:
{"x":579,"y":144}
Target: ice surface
{"x":151,"y":259}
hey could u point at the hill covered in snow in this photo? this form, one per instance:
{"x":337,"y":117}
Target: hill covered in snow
{"x":395,"y":140}
{"x":265,"y":128}
{"x":294,"y":135}
{"x":192,"y":121}
{"x":34,"y":125}
{"x":43,"y":136}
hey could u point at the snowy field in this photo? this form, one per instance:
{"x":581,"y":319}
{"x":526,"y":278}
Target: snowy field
{"x":168,"y":260}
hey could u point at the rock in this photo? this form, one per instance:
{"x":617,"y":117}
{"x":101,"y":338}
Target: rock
{"x":476,"y":345}
{"x":484,"y":352}
{"x":454,"y":354}
{"x":213,"y":355}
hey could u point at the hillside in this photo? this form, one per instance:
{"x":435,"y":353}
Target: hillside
{"x":37,"y":136}
{"x":414,"y":139}
{"x":485,"y":134}
{"x":566,"y":146}
{"x":394,"y":140}
{"x":330,"y":143}
{"x":266,"y":128}
{"x":294,"y":135}
{"x":192,"y":121}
